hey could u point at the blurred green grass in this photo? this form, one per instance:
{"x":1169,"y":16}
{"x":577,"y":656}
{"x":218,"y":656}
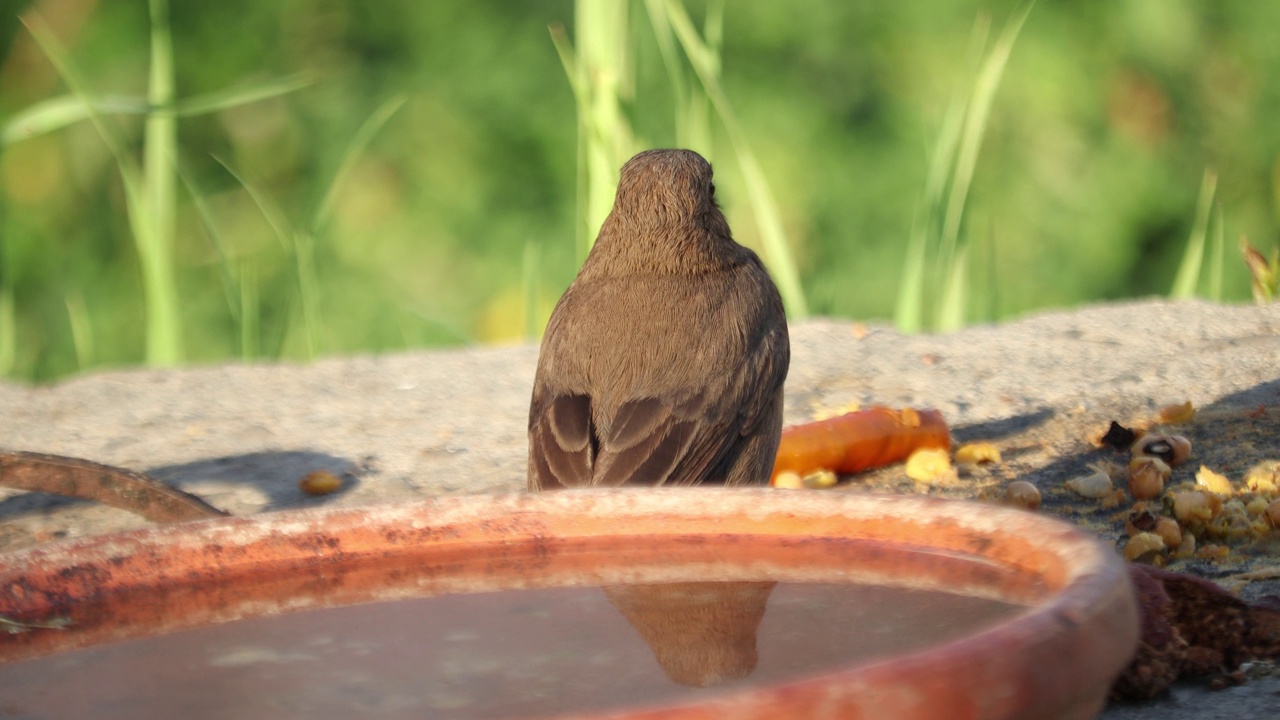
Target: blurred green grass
{"x":456,"y":220}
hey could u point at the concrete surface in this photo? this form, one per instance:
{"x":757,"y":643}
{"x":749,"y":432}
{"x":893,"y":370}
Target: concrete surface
{"x":404,"y":425}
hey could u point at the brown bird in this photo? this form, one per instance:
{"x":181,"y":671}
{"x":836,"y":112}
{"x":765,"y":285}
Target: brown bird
{"x":663,"y":362}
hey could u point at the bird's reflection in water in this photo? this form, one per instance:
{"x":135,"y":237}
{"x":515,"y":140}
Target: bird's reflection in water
{"x":701,"y":633}
{"x":523,"y":653}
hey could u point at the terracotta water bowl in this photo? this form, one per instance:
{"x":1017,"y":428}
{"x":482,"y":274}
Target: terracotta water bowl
{"x":751,"y":603}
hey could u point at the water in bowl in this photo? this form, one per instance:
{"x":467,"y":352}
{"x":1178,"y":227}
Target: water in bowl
{"x":520,"y":653}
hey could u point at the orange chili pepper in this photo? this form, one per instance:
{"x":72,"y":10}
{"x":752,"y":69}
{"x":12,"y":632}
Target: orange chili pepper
{"x":859,"y":440}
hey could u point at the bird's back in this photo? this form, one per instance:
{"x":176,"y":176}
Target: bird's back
{"x":674,"y":379}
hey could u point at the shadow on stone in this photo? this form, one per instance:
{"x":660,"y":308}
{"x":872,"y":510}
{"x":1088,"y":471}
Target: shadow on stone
{"x":275,"y":474}
{"x":1004,"y":427}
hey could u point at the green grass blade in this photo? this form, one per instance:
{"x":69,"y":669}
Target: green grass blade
{"x":56,"y":113}
{"x":304,"y":243}
{"x":603,"y":34}
{"x":67,"y":71}
{"x":953,"y":309}
{"x":976,"y":117}
{"x":908,"y":311}
{"x":941,"y":181}
{"x":914,"y":291}
{"x":953,"y":305}
{"x":159,"y":154}
{"x":220,"y":248}
{"x":61,"y":61}
{"x":713,"y":27}
{"x":691,"y":105}
{"x":300,"y":248}
{"x":564,"y":49}
{"x":1218,"y":256}
{"x":577,"y":84}
{"x":359,"y":143}
{"x":777,"y":251}
{"x":235,"y":96}
{"x":59,"y":112}
{"x":700,"y":110}
{"x":661,"y":24}
{"x":81,"y":329}
{"x":160,"y":307}
{"x":1188,"y":277}
{"x":8,"y":331}
{"x":275,"y":217}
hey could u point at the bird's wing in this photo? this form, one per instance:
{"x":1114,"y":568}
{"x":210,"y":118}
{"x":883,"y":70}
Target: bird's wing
{"x":729,"y":418}
{"x":696,"y":438}
{"x":562,"y":442}
{"x":647,"y":440}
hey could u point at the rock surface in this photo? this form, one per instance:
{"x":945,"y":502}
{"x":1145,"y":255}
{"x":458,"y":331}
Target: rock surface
{"x":446,"y":422}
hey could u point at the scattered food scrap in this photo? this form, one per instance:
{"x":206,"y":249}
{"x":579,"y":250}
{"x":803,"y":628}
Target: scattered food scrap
{"x":1117,"y":436}
{"x":1147,"y":476}
{"x":930,"y":466}
{"x":320,"y":482}
{"x":1095,"y":485}
{"x":1023,"y":494}
{"x":1172,"y":449}
{"x":976,"y":453}
{"x":860,"y":440}
{"x":1214,"y":482}
{"x":1179,"y":414}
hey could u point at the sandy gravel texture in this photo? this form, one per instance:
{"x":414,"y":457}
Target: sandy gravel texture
{"x":442,"y":422}
{"x":454,"y":421}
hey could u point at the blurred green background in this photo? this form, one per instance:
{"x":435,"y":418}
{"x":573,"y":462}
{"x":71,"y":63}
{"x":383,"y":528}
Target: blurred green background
{"x":456,"y":223}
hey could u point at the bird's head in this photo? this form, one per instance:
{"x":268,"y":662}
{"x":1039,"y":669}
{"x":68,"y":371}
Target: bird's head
{"x":665,"y":211}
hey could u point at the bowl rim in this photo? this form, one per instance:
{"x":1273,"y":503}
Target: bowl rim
{"x":1088,"y":613}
